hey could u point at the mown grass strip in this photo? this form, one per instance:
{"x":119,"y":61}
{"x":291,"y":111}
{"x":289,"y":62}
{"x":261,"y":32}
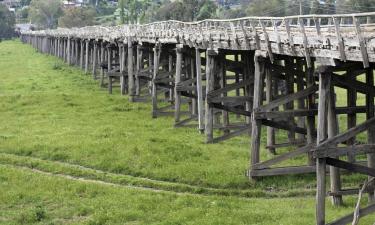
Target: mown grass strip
{"x":77,"y":171}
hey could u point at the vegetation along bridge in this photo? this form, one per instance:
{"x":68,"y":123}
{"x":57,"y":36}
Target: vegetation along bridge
{"x":232,"y":77}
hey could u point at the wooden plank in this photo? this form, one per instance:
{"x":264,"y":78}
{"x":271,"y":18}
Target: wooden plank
{"x":284,"y":126}
{"x":230,"y":87}
{"x":230,"y":135}
{"x":288,"y":98}
{"x":231,"y":109}
{"x":268,"y":43}
{"x":354,"y":84}
{"x":282,"y":171}
{"x":347,"y":134}
{"x":283,"y":157}
{"x":340,"y":40}
{"x":362,"y":43}
{"x":342,"y":151}
{"x":351,"y":166}
{"x":305,"y":43}
{"x":306,"y":112}
{"x":349,"y":218}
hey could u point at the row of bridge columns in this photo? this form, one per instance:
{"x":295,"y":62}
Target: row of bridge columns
{"x":241,"y":92}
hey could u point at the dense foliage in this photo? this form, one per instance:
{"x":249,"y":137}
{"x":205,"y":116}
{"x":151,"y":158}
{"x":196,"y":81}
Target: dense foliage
{"x":7,"y":21}
{"x":77,"y":17}
{"x":45,"y":13}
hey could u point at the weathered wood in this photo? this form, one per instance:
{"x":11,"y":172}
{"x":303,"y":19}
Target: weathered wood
{"x":123,"y":85}
{"x":334,"y":152}
{"x":229,"y":135}
{"x":257,"y":102}
{"x":351,"y":166}
{"x":349,"y":218}
{"x":324,"y":86}
{"x":82,"y":54}
{"x":199,"y":90}
{"x":283,"y":157}
{"x":210,"y":73}
{"x":94,"y":61}
{"x":155,"y":73}
{"x":131,"y":83}
{"x":270,"y":130}
{"x":87,"y":50}
{"x":371,"y":130}
{"x":344,"y":136}
{"x":352,"y":117}
{"x":282,"y":171}
{"x":333,"y":130}
{"x":177,"y":94}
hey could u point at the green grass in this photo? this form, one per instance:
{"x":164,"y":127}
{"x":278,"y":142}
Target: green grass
{"x":32,"y":198}
{"x":57,"y":120}
{"x":52,"y":111}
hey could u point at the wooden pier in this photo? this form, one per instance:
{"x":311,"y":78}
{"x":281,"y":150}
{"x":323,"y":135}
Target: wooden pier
{"x":239,"y":76}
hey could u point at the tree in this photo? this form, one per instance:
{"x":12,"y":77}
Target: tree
{"x":170,"y":11}
{"x":77,"y":17}
{"x":45,"y":13}
{"x":25,"y":2}
{"x":122,"y":10}
{"x":267,"y":8}
{"x":207,"y":10}
{"x":7,"y":21}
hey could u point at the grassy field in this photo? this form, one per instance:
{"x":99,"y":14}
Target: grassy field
{"x":72,"y":154}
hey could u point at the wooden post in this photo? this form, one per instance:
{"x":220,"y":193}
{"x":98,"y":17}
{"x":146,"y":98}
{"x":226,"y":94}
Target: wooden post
{"x":87,"y":56}
{"x":199,"y":90}
{"x":333,"y":130}
{"x":371,"y":130}
{"x":301,"y":101}
{"x":69,"y":49}
{"x":210,"y":82}
{"x":259,"y":64}
{"x":102,"y":57}
{"x":237,"y":79}
{"x":131,"y":87}
{"x":170,"y":69}
{"x":154,"y":93}
{"x":122,"y":69}
{"x":310,"y":125}
{"x":63,"y":49}
{"x":352,"y":118}
{"x":82,"y":53}
{"x":249,"y":71}
{"x":138,"y":69}
{"x":94,"y":61}
{"x":289,"y":79}
{"x":109,"y":65}
{"x":270,"y":130}
{"x":324,"y":85}
{"x":223,"y":83}
{"x":177,"y":81}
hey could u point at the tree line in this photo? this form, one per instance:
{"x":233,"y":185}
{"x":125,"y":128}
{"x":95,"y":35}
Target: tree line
{"x":51,"y":13}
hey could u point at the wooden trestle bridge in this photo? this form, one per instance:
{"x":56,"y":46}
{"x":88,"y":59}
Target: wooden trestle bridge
{"x":233,"y":77}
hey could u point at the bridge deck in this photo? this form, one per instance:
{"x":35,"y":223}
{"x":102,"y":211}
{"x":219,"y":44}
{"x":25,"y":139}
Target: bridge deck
{"x":342,"y":37}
